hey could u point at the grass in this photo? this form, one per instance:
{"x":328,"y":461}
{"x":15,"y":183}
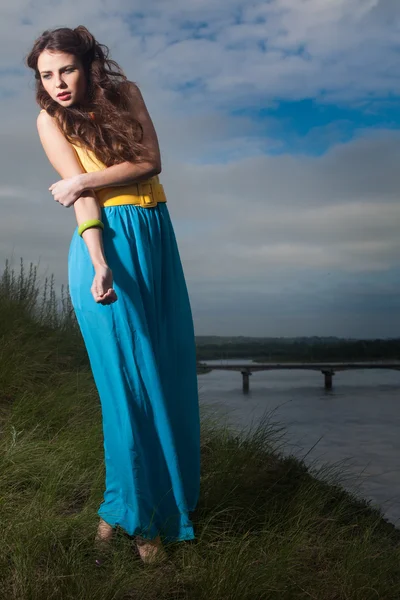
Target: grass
{"x":267,"y":526}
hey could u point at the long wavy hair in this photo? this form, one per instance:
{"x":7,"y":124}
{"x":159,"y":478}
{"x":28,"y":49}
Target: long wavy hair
{"x":111,"y":132}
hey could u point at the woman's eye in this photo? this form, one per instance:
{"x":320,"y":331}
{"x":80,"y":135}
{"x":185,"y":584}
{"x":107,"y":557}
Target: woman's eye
{"x":66,"y":71}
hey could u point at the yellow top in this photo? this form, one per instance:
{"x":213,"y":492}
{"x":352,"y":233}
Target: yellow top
{"x":146,"y":193}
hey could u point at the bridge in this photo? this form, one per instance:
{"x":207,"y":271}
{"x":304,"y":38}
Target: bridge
{"x":327,"y":369}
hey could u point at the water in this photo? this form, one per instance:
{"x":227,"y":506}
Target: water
{"x":357,"y":421}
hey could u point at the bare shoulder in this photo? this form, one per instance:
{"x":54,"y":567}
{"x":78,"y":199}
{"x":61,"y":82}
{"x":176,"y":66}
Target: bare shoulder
{"x":43,"y":114}
{"x":49,"y":131}
{"x":44,"y":121}
{"x":59,"y":151}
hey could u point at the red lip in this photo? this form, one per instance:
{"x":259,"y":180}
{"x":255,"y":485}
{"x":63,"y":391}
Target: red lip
{"x":63,"y":94}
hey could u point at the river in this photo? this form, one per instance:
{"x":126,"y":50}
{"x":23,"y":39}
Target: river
{"x":357,"y":421}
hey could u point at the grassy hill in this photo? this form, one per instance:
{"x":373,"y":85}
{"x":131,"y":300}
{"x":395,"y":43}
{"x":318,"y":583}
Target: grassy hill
{"x":267,"y":526}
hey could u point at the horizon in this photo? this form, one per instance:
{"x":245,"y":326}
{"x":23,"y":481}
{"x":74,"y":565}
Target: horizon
{"x":306,"y":337}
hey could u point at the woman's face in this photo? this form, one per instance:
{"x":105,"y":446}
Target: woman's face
{"x":61,"y":72}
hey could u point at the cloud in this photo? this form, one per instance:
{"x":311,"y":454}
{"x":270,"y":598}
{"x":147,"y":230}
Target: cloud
{"x":336,"y":50}
{"x":264,"y":231}
{"x":241,"y":221}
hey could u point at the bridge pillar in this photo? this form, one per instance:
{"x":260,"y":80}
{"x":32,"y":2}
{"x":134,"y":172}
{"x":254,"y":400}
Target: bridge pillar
{"x":245,"y":375}
{"x":328,"y":378}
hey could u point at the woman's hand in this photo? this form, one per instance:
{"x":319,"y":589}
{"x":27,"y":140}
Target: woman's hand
{"x":102,"y":289}
{"x":67,"y":191}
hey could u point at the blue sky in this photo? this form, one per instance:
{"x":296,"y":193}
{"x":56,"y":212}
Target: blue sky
{"x":278,"y":123}
{"x":310,"y":126}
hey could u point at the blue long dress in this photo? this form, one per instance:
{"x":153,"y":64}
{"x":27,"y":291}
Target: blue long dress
{"x":143,"y":359}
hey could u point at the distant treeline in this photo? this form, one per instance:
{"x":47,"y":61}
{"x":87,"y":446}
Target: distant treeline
{"x":302,"y":349}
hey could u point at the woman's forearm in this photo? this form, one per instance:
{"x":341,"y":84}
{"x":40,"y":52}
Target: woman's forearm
{"x":117,"y":175}
{"x":86,"y":208}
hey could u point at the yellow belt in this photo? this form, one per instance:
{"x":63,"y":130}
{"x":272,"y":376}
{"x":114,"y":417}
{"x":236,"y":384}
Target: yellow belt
{"x":143,"y":193}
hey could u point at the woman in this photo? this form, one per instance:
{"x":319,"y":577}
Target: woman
{"x":127,"y":287}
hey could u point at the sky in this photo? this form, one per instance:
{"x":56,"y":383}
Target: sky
{"x":279,"y":129}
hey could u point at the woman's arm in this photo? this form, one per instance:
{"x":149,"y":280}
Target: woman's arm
{"x":64,"y":159}
{"x":129,"y":172}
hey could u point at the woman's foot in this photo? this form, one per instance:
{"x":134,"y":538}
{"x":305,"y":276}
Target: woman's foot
{"x":151,"y":551}
{"x":102,"y":540}
{"x":104,"y":531}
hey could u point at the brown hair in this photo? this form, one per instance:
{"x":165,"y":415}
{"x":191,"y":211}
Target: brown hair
{"x":112,"y":133}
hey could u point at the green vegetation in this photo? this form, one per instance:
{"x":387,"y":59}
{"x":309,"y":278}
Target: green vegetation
{"x":312,"y":349}
{"x":267,"y":526}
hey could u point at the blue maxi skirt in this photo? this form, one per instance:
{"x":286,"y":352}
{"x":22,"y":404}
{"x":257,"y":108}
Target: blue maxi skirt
{"x":143,"y":358}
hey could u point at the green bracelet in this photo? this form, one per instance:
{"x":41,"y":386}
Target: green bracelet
{"x":91,"y":223}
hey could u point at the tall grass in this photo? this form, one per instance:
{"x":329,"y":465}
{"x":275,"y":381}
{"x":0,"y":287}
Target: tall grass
{"x":266,"y":525}
{"x":22,"y":293}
